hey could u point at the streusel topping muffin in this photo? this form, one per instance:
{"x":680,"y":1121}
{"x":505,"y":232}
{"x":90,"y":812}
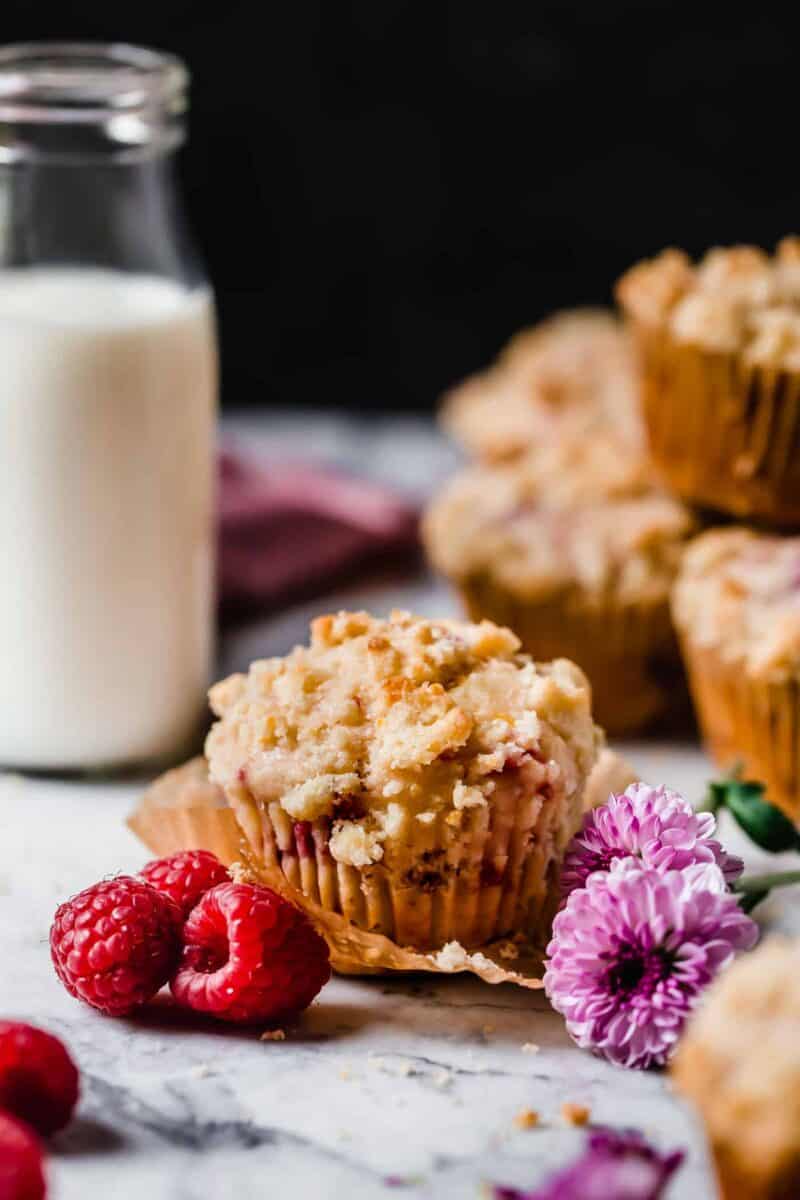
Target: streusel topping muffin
{"x":739,"y":1062}
{"x":719,"y":344}
{"x":569,"y":377}
{"x":576,"y":551}
{"x":736,"y":605}
{"x":421,"y":777}
{"x":739,"y":592}
{"x":735,"y":299}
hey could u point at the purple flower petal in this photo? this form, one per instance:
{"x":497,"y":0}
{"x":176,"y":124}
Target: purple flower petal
{"x":655,"y":826}
{"x":632,"y":952}
{"x":615,"y":1165}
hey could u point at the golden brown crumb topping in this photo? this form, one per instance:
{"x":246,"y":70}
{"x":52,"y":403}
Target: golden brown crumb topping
{"x":740,"y":1058}
{"x":378,"y":723}
{"x":737,"y":299}
{"x":568,"y":377}
{"x":739,"y":590}
{"x":581,"y":516}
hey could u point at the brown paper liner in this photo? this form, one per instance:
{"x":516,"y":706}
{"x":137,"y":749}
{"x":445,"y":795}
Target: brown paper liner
{"x":493,"y":873}
{"x":629,"y":652}
{"x":722,"y":432}
{"x":183,"y":810}
{"x":749,"y":722}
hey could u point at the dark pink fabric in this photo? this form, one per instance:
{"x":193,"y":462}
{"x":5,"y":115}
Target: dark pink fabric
{"x":289,"y":528}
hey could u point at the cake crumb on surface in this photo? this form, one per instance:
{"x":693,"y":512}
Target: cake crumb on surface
{"x":575,"y":1114}
{"x":526,"y":1118}
{"x":273,"y":1035}
{"x":530,"y":1048}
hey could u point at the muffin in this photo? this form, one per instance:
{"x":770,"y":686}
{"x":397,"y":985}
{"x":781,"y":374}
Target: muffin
{"x":420,"y":778}
{"x":736,"y":605}
{"x":568,"y":378}
{"x":720,"y":356}
{"x":576,"y":551}
{"x":739,"y":1063}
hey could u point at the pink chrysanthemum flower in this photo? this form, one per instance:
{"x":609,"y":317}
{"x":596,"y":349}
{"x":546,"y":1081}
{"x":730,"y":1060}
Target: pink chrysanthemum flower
{"x":655,"y":825}
{"x":632,"y":952}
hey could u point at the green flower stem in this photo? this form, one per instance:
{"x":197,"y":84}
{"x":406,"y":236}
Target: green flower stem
{"x":764,"y":883}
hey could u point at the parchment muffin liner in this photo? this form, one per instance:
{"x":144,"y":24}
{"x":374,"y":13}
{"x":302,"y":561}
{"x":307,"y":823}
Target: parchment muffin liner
{"x":748,"y":721}
{"x":184,"y":810}
{"x":470,"y":876}
{"x":628,"y":651}
{"x":723,"y":433}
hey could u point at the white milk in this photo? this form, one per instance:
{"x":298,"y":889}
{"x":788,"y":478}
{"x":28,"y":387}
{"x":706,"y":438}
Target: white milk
{"x":107,"y":409}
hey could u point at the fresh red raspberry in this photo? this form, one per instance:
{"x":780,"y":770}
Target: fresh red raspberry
{"x":185,"y":876}
{"x":21,"y":1161}
{"x":38,"y":1079}
{"x":115,"y":944}
{"x":249,"y":956}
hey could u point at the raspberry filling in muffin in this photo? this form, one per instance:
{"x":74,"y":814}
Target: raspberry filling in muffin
{"x":420,"y":778}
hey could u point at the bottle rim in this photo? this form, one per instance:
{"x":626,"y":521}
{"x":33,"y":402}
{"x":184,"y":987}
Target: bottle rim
{"x":86,"y":82}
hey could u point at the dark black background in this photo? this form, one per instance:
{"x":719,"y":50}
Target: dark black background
{"x":385,"y":190}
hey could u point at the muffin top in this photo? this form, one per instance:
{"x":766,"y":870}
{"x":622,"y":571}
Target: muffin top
{"x":739,"y":591}
{"x":569,"y":376}
{"x":740,"y":1057}
{"x":737,"y":299}
{"x":378,"y":722}
{"x":580,"y":516}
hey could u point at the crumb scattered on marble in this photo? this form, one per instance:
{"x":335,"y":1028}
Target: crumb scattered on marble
{"x":527,"y":1118}
{"x":201,"y":1071}
{"x":530,"y":1048}
{"x":442,"y":1078}
{"x":575,"y":1114}
{"x":273,"y":1035}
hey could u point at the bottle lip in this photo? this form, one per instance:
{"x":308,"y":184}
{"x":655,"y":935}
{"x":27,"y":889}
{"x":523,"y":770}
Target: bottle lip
{"x":89,"y":82}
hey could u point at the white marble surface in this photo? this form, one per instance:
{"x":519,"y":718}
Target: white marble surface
{"x":413,"y":1082}
{"x":417,"y":1080}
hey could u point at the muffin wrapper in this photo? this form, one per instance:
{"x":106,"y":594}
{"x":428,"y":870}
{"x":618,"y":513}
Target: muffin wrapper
{"x":722,"y":432}
{"x":749,"y":722}
{"x":629,"y":652}
{"x":491,"y":874}
{"x":183,"y":810}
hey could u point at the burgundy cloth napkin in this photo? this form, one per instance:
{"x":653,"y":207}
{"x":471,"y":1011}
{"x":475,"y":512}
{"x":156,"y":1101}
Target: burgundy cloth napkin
{"x":287,"y":529}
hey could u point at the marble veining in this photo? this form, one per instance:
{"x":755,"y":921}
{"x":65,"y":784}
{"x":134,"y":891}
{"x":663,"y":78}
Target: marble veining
{"x":385,"y":1086}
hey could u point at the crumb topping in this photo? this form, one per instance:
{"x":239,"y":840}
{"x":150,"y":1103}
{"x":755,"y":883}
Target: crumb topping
{"x":570,"y":376}
{"x":740,"y":1057}
{"x":737,"y":299}
{"x":739,"y":590}
{"x":378,"y":722}
{"x":584,"y":520}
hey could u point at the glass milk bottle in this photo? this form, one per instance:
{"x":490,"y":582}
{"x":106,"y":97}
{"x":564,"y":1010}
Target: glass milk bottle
{"x":108,"y":383}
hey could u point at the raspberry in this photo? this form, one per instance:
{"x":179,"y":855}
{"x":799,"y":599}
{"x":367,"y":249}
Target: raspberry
{"x":185,"y":876}
{"x":115,"y":944}
{"x":38,"y":1079}
{"x":21,"y":1161}
{"x":249,"y":956}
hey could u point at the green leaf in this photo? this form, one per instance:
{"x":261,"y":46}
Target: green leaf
{"x":763,"y":823}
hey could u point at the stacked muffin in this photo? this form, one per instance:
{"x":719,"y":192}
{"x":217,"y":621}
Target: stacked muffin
{"x":559,"y":530}
{"x":720,"y":362}
{"x":576,"y":537}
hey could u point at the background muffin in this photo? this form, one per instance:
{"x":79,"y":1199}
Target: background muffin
{"x":739,"y":1062}
{"x":422,"y":778}
{"x":570,"y":377}
{"x":720,"y":352}
{"x":737,"y":609}
{"x":575,"y":550}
